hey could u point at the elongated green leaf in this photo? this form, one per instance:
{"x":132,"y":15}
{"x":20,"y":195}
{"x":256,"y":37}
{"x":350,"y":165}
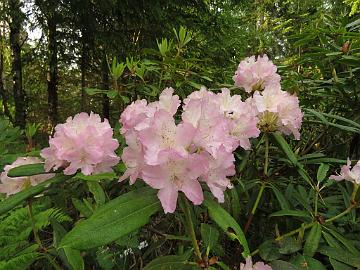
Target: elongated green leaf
{"x":209,"y":235}
{"x":96,"y":177}
{"x":279,"y":139}
{"x":289,"y":245}
{"x":293,"y":213}
{"x":226,"y":221}
{"x":173,"y":262}
{"x":344,"y":241}
{"x":284,"y":146}
{"x":312,"y":240}
{"x":282,"y":265}
{"x":18,"y":198}
{"x":235,"y":203}
{"x":113,"y":220}
{"x":27,"y":170}
{"x":99,"y":194}
{"x":322,"y":171}
{"x":284,"y":204}
{"x":339,"y":265}
{"x":340,"y":255}
{"x":74,"y":258}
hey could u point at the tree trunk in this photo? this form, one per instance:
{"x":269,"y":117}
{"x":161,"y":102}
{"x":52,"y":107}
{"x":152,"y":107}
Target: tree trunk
{"x":53,"y":72}
{"x":3,"y":93}
{"x":18,"y":91}
{"x":105,"y":86}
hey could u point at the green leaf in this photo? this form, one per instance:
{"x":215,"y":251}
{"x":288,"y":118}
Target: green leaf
{"x":289,"y":245}
{"x":27,"y":170}
{"x":312,"y":240}
{"x":18,"y":198}
{"x":209,"y":235}
{"x":279,"y":139}
{"x":284,"y":204}
{"x":74,"y":258}
{"x":304,"y":262}
{"x":113,"y":220}
{"x":268,"y":251}
{"x":322,"y":171}
{"x":340,"y":255}
{"x":339,"y":265}
{"x":293,"y":213}
{"x":226,"y":221}
{"x":98,"y":192}
{"x":97,"y":177}
{"x":282,"y":265}
{"x":82,"y":207}
{"x":173,"y":262}
{"x":235,"y":203}
{"x":344,"y":241}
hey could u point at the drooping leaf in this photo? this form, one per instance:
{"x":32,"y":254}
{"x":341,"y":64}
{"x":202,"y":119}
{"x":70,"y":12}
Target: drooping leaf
{"x":312,"y":240}
{"x":226,"y":222}
{"x":113,"y":220}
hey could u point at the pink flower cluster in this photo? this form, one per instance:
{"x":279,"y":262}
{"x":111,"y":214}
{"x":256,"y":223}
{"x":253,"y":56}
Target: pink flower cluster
{"x":349,"y":174}
{"x":177,"y":157}
{"x":12,"y":185}
{"x":257,"y":266}
{"x":277,"y":110}
{"x":82,"y":143}
{"x":255,"y":74}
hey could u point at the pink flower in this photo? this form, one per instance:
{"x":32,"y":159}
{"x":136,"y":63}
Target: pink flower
{"x":133,"y":157}
{"x":202,"y":110}
{"x":348,"y":174}
{"x":12,"y":185}
{"x":218,"y":170}
{"x":278,"y":111}
{"x":242,"y":116}
{"x":256,"y":74}
{"x":83,"y":142}
{"x":257,"y":266}
{"x":178,"y":173}
{"x":163,"y":136}
{"x":136,"y":116}
{"x":167,"y":101}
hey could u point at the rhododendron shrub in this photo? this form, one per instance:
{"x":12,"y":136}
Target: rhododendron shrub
{"x":83,"y":143}
{"x":12,"y":185}
{"x":220,"y":159}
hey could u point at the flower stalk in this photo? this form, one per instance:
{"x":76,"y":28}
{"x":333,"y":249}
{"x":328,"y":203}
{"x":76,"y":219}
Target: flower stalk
{"x":189,"y":226}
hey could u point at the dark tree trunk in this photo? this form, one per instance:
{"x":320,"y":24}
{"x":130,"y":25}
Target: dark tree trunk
{"x":15,"y":43}
{"x":53,"y":72}
{"x":105,"y":86}
{"x":3,"y":93}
